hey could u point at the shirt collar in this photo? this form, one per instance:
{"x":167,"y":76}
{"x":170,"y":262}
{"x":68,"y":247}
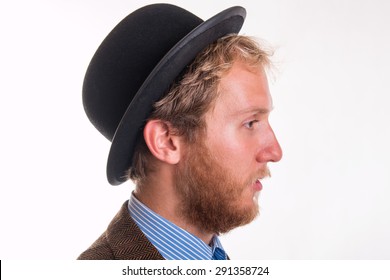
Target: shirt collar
{"x":173,"y":242}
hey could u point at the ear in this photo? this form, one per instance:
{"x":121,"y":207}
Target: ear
{"x":162,"y":141}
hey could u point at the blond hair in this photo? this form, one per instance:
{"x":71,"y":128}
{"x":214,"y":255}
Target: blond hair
{"x":189,"y":98}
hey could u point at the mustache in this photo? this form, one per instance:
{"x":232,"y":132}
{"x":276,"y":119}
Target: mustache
{"x":261,"y":174}
{"x":265,"y":173}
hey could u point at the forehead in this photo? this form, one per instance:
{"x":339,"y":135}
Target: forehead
{"x":243,"y":89}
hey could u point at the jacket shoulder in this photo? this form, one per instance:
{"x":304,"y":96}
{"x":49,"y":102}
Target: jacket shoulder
{"x":123,"y":240}
{"x":99,"y":250}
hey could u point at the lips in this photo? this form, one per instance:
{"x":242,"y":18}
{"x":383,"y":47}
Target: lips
{"x":257,"y":186}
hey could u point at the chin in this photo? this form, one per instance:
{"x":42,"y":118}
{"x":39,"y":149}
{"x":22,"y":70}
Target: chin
{"x":251,"y":206}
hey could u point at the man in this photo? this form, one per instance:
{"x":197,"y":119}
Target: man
{"x":186,"y":105}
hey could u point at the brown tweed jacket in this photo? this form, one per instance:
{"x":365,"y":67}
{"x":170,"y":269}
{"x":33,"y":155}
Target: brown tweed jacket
{"x":123,"y":240}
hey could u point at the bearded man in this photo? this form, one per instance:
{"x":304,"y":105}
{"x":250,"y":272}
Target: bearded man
{"x":185,"y":103}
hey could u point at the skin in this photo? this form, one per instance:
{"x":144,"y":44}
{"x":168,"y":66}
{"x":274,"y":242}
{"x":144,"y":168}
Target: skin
{"x":238,"y":130}
{"x":238,"y":135}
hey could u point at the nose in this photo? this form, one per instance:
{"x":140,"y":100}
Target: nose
{"x":270,"y":150}
{"x":276,"y":151}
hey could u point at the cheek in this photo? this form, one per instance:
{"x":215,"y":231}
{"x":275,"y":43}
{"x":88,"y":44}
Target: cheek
{"x":223,"y":142}
{"x":231,"y":145}
{"x":231,"y":150}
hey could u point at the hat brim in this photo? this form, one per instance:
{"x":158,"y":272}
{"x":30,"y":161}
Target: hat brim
{"x":158,"y":82}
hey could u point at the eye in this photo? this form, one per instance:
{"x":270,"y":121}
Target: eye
{"x":251,"y":124}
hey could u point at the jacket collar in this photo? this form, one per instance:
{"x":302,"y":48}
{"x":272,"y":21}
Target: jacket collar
{"x":126,"y":239}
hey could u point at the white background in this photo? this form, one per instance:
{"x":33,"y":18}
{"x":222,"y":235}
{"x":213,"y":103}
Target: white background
{"x":328,"y":197}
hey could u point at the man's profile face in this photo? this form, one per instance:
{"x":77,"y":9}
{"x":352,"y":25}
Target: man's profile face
{"x":220,"y":178}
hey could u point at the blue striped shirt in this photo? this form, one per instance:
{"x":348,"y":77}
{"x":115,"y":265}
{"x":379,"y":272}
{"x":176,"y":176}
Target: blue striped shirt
{"x":173,"y":242}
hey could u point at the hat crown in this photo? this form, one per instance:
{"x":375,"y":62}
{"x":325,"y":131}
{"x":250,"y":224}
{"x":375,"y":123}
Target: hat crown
{"x":127,"y":56}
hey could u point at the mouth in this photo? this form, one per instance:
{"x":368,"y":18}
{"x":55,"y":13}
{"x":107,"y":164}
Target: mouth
{"x":257,"y":185}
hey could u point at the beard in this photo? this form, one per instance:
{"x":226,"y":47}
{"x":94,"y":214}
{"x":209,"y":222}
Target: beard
{"x":211,"y":195}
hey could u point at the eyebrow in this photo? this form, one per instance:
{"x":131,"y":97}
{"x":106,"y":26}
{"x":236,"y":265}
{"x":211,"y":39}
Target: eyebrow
{"x":254,"y":110}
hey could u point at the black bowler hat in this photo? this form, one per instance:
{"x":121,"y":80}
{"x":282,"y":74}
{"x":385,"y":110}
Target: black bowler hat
{"x":136,"y":64}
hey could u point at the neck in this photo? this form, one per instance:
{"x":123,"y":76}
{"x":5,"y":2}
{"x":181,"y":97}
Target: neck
{"x":158,"y":193}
